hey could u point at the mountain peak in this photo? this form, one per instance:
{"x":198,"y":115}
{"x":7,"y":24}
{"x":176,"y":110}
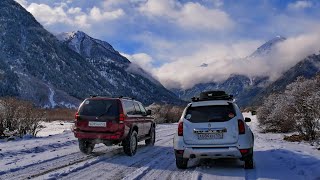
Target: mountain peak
{"x":266,"y":48}
{"x":276,"y":39}
{"x":90,"y":47}
{"x":65,"y":36}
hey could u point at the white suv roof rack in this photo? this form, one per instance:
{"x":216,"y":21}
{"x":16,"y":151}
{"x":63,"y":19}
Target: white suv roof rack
{"x":213,"y":96}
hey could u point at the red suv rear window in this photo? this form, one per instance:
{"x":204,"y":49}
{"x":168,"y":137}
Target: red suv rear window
{"x":99,"y":107}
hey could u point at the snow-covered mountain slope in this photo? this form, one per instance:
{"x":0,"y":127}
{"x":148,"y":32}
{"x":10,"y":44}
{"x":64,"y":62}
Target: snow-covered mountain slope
{"x":250,"y":91}
{"x":125,"y":78}
{"x":34,"y":60}
{"x":58,"y":157}
{"x":89,"y":47}
{"x":36,"y":66}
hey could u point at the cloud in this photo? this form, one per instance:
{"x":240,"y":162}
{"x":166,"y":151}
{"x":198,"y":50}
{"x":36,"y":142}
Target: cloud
{"x":76,"y":10}
{"x":97,"y":15}
{"x":141,"y":64}
{"x":23,"y":3}
{"x":217,"y":3}
{"x":141,"y":59}
{"x":193,"y":16}
{"x":169,"y":50}
{"x":61,"y":13}
{"x":196,"y":16}
{"x":293,"y":50}
{"x":298,"y":5}
{"x":47,"y":15}
{"x":185,"y":72}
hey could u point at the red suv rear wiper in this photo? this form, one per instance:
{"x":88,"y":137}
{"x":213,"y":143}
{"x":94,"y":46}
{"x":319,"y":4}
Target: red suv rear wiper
{"x":104,"y":112}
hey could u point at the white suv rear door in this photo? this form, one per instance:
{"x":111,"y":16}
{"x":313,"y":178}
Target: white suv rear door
{"x":210,"y":125}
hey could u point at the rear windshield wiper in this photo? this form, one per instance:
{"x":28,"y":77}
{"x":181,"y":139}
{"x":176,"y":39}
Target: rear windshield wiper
{"x":104,"y":112}
{"x":216,"y":120}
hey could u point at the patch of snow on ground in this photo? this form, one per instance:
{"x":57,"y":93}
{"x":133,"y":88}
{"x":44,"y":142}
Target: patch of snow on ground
{"x":55,"y":127}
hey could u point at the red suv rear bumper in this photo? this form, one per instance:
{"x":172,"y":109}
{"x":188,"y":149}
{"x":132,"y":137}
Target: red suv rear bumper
{"x":95,"y":135}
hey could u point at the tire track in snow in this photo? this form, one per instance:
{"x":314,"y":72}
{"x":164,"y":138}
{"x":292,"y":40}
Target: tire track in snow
{"x":160,"y":173}
{"x":49,"y":165}
{"x":114,"y":171}
{"x":39,"y":149}
{"x":142,"y":171}
{"x":83,"y":168}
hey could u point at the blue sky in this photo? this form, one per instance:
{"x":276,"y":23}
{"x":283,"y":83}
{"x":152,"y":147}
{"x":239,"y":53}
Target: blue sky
{"x":163,"y":35}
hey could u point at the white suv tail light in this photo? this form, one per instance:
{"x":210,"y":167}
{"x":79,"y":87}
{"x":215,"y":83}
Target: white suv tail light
{"x":180,"y":128}
{"x":241,"y":127}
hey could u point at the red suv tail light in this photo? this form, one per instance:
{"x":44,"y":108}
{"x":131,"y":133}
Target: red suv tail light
{"x":180,"y":129}
{"x":122,"y":117}
{"x":76,"y":116}
{"x":241,"y":127}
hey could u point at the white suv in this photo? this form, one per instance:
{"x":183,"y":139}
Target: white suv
{"x":213,"y":126}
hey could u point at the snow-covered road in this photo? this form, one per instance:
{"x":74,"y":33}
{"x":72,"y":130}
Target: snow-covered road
{"x":58,"y":157}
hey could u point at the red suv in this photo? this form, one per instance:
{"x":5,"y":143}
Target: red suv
{"x":113,"y":121}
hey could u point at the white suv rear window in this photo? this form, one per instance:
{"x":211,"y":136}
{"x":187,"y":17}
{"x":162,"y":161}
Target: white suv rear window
{"x":217,"y":113}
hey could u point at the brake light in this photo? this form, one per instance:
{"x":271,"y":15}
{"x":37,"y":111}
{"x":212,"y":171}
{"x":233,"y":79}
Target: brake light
{"x":76,"y":116}
{"x":241,"y":127}
{"x":180,"y":129}
{"x":122,"y":117}
{"x":179,"y":151}
{"x":244,"y":151}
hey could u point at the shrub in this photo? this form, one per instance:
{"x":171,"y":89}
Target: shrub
{"x":166,"y":113}
{"x":19,"y":117}
{"x":298,"y":108}
{"x":59,"y":114}
{"x":276,"y":115}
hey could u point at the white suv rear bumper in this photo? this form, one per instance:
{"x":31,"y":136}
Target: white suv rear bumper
{"x":213,"y":151}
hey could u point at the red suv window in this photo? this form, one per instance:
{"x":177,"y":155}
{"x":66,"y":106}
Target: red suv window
{"x":129,"y":107}
{"x":99,"y":107}
{"x":138,"y":110}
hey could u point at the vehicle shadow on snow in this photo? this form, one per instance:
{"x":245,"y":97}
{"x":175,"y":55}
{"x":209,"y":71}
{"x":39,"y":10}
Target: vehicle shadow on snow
{"x":217,"y":167}
{"x":269,"y":164}
{"x":284,"y":164}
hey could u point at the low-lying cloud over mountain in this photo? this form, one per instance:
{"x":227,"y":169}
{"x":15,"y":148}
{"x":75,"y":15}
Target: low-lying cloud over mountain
{"x":185,"y":72}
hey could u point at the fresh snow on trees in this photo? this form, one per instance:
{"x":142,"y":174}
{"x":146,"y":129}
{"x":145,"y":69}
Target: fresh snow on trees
{"x":296,"y":109}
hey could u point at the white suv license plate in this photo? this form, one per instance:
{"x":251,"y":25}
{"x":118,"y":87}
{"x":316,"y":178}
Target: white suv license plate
{"x":97,"y":124}
{"x":210,"y":136}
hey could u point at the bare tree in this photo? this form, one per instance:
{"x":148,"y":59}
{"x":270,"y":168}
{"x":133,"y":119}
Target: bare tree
{"x":19,"y":117}
{"x":298,"y":108}
{"x":166,"y":113}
